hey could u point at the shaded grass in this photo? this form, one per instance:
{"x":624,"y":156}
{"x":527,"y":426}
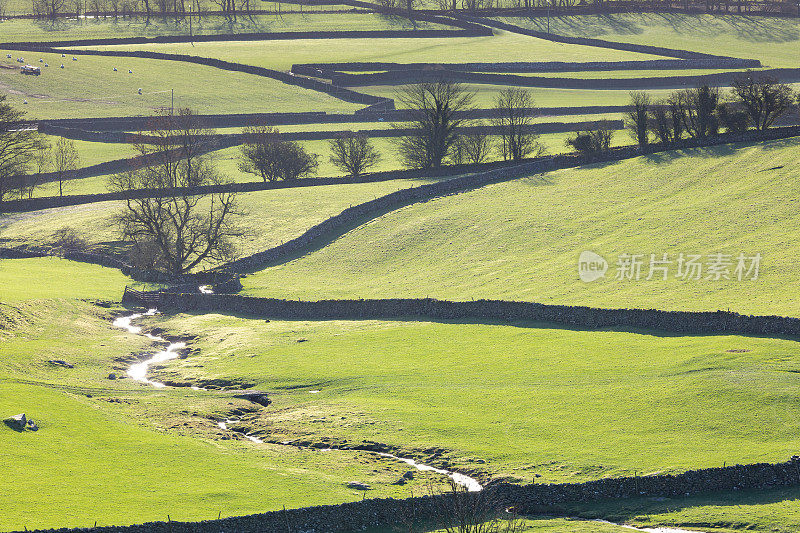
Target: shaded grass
{"x":521,"y":240}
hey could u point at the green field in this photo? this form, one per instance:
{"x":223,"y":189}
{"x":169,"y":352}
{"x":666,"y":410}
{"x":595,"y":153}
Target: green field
{"x":150,"y":454}
{"x":57,"y":278}
{"x":272,"y":216}
{"x":521,"y":240}
{"x":645,"y":403}
{"x":519,"y":402}
{"x":772,"y":40}
{"x":90,"y":88}
{"x":28,"y":30}
{"x":282,"y":55}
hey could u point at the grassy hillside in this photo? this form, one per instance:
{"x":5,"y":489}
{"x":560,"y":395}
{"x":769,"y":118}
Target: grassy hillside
{"x":149,"y":453}
{"x":51,"y":277}
{"x":773,"y":40}
{"x":523,"y":398}
{"x":501,"y":47}
{"x":90,"y":88}
{"x":521,"y":240}
{"x":272,"y":216}
{"x":66,"y":29}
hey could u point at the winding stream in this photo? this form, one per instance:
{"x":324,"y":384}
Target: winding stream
{"x":138,"y":372}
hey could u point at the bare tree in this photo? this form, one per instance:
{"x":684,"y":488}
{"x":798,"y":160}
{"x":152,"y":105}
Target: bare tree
{"x":473,"y":148}
{"x":65,"y":161}
{"x":18,"y":145}
{"x":516,"y":111}
{"x":178,"y":231}
{"x":698,"y":108}
{"x":49,"y":8}
{"x":265,"y":154}
{"x":764,"y":98}
{"x":353,"y":154}
{"x":636,"y":120}
{"x":464,"y":511}
{"x":40,"y":163}
{"x":436,"y":112}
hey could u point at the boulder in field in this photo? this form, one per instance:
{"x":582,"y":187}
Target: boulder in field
{"x":357,"y":485}
{"x":17,"y":422}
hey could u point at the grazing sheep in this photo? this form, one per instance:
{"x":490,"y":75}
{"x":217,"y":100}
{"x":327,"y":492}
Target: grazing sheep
{"x":46,"y":65}
{"x":8,"y":56}
{"x":74,"y":58}
{"x":130,"y":71}
{"x":140,"y":91}
{"x":41,"y":61}
{"x":62,"y":65}
{"x":115,"y":69}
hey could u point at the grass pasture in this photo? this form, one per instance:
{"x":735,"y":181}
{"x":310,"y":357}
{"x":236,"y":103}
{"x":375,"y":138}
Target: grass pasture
{"x":521,"y":240}
{"x":58,"y":278}
{"x":26,"y":30}
{"x":272,"y":216}
{"x":282,"y":55}
{"x":524,"y":398}
{"x":774,"y":41}
{"x":89,"y":87}
{"x":519,"y":402}
{"x":149,"y":454}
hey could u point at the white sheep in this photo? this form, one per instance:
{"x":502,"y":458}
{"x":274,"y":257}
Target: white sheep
{"x":62,"y":65}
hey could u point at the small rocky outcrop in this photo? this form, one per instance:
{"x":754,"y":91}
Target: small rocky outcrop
{"x":357,"y":485}
{"x":61,"y":363}
{"x":255,"y":396}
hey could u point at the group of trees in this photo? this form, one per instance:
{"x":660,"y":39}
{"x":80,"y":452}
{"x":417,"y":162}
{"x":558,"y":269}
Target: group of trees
{"x":755,"y":101}
{"x":25,"y":156}
{"x":728,"y":6}
{"x":442,"y":132}
{"x":51,"y":9}
{"x":438,"y":131}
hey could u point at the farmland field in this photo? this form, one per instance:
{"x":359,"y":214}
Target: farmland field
{"x":521,"y":240}
{"x":163,"y":390}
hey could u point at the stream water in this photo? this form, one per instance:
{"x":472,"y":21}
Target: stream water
{"x":138,"y":371}
{"x":651,"y":529}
